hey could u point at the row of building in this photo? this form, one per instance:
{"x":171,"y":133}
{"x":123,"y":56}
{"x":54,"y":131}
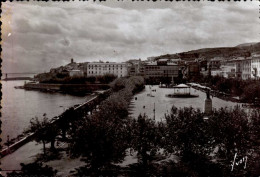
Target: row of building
{"x":241,"y":68}
{"x":163,"y":68}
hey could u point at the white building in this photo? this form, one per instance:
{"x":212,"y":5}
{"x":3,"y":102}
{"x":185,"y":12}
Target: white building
{"x":246,"y":69}
{"x":228,"y":70}
{"x":100,"y":69}
{"x":255,"y":67}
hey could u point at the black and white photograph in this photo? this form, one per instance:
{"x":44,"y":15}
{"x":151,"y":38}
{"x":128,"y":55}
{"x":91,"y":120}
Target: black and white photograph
{"x":130,"y":88}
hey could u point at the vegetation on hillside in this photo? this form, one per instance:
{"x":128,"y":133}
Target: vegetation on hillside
{"x":225,"y":52}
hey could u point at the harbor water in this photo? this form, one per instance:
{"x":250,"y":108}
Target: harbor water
{"x":19,"y":106}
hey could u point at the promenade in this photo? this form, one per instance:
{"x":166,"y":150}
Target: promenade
{"x":143,"y":103}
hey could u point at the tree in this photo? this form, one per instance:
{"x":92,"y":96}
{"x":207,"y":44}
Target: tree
{"x":103,"y":138}
{"x":145,"y":140}
{"x":107,"y":78}
{"x":34,"y":169}
{"x":64,"y":121}
{"x":91,"y":79}
{"x":44,"y":131}
{"x":99,"y":142}
{"x":231,"y":131}
{"x":251,"y":92}
{"x":186,"y":132}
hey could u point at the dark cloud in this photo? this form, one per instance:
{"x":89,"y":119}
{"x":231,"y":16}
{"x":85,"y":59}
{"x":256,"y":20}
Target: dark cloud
{"x":46,"y":35}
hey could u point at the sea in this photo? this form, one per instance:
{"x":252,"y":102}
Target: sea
{"x":19,"y":106}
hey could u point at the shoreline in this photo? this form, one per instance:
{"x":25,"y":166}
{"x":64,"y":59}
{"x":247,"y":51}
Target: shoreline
{"x":25,"y":137}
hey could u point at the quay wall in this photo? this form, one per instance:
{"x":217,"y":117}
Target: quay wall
{"x":42,"y":86}
{"x":66,"y":87}
{"x":17,"y":145}
{"x":17,"y":78}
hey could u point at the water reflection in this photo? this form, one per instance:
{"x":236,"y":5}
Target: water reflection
{"x":19,"y":106}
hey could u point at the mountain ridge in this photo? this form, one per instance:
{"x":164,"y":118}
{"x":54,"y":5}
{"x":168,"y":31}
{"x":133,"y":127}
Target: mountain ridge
{"x":241,"y":50}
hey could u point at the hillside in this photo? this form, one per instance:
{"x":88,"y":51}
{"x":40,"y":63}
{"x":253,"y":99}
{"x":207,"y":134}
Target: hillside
{"x":208,"y":53}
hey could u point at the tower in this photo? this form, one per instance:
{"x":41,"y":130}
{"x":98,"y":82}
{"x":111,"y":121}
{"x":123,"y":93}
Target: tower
{"x":208,"y":104}
{"x":71,"y":61}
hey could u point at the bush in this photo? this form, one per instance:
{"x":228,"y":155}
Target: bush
{"x":34,"y":169}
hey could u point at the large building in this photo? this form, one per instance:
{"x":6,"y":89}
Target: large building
{"x":102,"y":68}
{"x":255,"y":67}
{"x":246,"y":69}
{"x":161,"y":69}
{"x":192,"y":69}
{"x":232,"y":68}
{"x":241,"y":68}
{"x":134,"y":67}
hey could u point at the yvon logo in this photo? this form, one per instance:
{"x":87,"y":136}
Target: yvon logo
{"x":237,"y":162}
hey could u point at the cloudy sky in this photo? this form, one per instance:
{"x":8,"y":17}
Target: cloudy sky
{"x":38,"y":36}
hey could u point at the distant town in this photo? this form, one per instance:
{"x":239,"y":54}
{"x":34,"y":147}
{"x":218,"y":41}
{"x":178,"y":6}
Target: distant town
{"x":241,"y":62}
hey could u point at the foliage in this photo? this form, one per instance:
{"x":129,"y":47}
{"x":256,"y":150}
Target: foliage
{"x":224,"y":133}
{"x":133,"y":84}
{"x":144,"y":139}
{"x":251,"y":92}
{"x":64,"y":121}
{"x":99,"y":143}
{"x":44,"y":131}
{"x":34,"y":169}
{"x":248,"y":90}
{"x":109,"y":170}
{"x":186,"y":132}
{"x":102,"y":138}
{"x":231,"y":131}
{"x":107,"y":78}
{"x":197,"y":166}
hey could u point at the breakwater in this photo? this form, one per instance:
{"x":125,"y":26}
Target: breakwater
{"x":66,"y":88}
{"x":84,"y":108}
{"x":17,"y":78}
